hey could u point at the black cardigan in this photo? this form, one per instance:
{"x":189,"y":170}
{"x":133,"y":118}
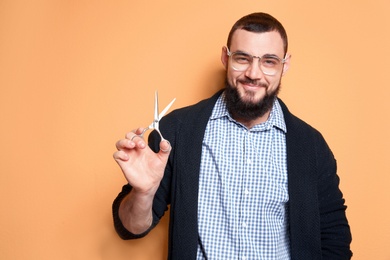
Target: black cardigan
{"x":318,"y":225}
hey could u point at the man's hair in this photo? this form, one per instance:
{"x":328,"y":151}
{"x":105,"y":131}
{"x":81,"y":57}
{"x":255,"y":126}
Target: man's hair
{"x":259,"y":23}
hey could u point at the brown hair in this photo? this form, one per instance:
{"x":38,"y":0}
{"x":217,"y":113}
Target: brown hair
{"x":259,"y":23}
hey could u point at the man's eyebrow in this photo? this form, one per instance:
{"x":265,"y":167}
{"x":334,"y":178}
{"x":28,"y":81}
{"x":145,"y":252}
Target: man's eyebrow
{"x":241,"y":52}
{"x":268,"y":55}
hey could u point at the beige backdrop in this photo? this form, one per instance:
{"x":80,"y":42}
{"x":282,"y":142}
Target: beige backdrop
{"x":75,"y":76}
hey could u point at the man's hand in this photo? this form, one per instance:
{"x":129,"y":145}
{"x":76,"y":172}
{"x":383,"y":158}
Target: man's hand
{"x":142,"y":167}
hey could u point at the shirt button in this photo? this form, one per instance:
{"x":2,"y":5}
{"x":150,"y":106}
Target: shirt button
{"x":244,"y":258}
{"x":246,"y":192}
{"x":244,"y":224}
{"x":249,"y":161}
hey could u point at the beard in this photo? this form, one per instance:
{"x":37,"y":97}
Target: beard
{"x":248,"y":110}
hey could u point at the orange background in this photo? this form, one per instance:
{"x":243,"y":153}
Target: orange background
{"x":75,"y":76}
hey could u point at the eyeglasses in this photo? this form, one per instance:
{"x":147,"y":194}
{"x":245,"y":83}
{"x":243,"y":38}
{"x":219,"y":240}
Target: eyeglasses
{"x":269,"y":64}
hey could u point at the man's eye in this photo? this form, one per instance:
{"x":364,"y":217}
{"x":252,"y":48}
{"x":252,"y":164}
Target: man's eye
{"x":240,"y":58}
{"x":270,"y":62}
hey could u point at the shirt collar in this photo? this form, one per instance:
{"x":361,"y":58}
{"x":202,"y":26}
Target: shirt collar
{"x":275,"y":119}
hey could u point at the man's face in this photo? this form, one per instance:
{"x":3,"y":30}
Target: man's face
{"x":252,"y":86}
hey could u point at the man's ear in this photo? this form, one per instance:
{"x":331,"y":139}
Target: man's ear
{"x":286,"y":64}
{"x":224,"y":57}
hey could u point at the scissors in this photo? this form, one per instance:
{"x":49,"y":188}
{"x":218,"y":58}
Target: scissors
{"x":157,"y":117}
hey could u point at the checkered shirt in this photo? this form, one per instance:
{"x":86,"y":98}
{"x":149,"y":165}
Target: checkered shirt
{"x":243,"y":194}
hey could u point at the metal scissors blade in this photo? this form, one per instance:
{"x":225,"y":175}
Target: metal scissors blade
{"x":166,"y":109}
{"x":157,"y":117}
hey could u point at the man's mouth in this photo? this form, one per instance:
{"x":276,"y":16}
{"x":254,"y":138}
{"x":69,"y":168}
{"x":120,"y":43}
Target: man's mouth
{"x":253,"y":84}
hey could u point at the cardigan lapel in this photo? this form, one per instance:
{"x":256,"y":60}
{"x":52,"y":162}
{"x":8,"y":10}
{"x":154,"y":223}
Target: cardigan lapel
{"x":186,"y":178}
{"x":302,"y":185}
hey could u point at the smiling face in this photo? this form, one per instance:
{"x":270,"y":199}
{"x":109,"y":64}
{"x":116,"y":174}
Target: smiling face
{"x":251,"y":93}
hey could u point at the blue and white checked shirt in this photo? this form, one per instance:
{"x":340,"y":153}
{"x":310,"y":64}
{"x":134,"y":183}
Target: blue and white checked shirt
{"x":242,"y":211}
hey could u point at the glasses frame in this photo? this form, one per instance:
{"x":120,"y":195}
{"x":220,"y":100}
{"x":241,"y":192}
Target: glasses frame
{"x":230,"y":54}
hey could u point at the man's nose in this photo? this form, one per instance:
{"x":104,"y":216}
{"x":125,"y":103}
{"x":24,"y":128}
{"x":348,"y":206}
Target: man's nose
{"x":254,"y":70}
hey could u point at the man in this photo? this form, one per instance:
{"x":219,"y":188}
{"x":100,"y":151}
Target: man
{"x":244,"y":178}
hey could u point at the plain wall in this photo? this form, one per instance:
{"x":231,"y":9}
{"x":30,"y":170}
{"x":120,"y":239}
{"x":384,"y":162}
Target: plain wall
{"x":75,"y":76}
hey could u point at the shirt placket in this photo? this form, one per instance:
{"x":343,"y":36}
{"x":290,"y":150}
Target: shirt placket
{"x":245,"y":220}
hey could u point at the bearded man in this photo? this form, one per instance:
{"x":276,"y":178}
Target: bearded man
{"x":244,"y":178}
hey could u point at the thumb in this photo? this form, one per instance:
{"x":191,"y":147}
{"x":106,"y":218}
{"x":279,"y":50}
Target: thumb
{"x":165,"y":149}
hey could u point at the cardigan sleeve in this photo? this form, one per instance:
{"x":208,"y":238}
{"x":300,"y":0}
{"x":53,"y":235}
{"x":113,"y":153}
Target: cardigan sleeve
{"x":120,"y":229}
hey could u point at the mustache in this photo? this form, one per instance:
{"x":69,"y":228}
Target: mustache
{"x":253,"y":82}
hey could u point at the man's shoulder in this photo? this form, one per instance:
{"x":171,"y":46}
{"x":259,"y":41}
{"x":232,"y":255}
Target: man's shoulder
{"x":202,"y":109}
{"x":296,"y":125}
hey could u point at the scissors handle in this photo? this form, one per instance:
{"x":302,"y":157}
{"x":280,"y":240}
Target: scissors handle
{"x":146,"y":129}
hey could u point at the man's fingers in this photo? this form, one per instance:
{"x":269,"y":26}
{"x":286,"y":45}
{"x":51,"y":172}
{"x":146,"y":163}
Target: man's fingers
{"x":124,"y":144}
{"x":120,"y":156}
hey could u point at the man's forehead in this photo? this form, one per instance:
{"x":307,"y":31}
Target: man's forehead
{"x":270,"y":42}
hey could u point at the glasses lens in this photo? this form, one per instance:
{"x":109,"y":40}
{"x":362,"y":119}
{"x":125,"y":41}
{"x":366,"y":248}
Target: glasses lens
{"x":270,"y":65}
{"x":240,"y":61}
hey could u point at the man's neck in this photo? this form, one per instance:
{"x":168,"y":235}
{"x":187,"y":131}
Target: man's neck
{"x":251,"y":123}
